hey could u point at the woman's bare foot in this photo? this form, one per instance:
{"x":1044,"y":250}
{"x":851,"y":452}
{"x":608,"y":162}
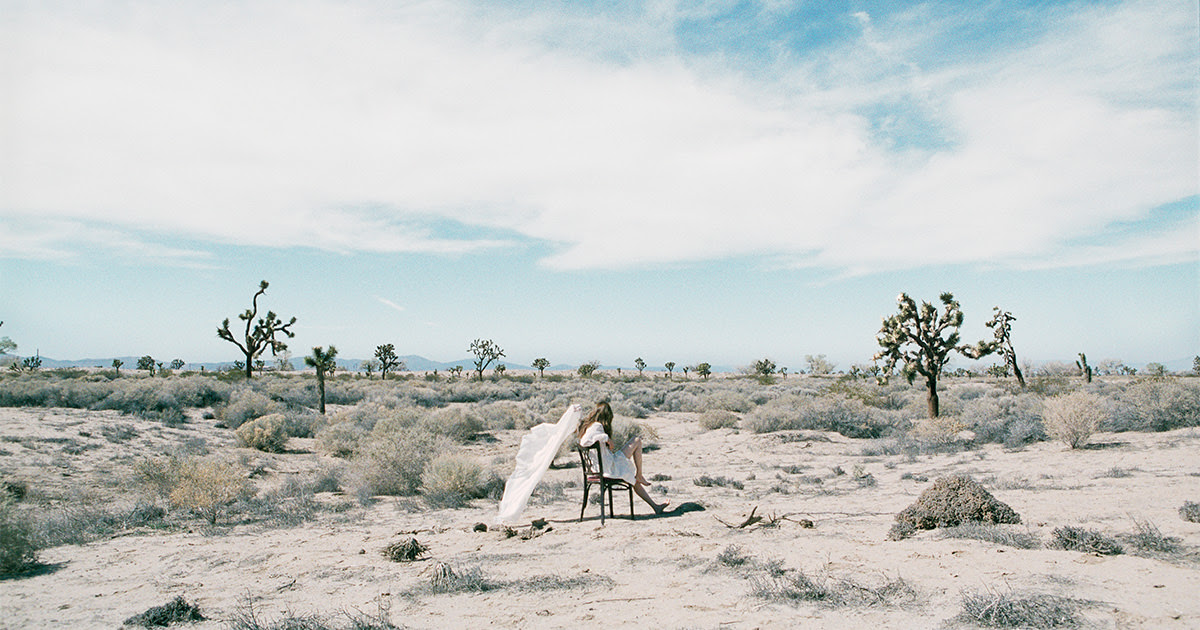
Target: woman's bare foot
{"x":641,"y":481}
{"x":658,"y":509}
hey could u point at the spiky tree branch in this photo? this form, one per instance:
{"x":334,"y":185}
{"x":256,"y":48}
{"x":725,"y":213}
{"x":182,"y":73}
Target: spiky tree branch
{"x":1001,"y":325}
{"x":323,"y":361}
{"x":260,"y":335}
{"x":485,"y":353}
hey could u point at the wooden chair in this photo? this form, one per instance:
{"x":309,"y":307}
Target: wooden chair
{"x":593,"y":475}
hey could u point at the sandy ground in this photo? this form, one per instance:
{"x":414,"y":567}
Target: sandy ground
{"x":653,"y":571}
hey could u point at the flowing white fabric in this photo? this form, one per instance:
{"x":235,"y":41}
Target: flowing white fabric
{"x":537,"y":451}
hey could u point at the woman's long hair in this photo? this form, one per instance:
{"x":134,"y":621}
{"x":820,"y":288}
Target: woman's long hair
{"x":602,"y":414}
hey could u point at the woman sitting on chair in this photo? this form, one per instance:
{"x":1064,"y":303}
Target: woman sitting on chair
{"x":624,"y":464}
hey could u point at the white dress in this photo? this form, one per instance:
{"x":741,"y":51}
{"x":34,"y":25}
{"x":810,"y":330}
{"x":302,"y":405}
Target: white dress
{"x":616,"y":465}
{"x":537,"y":451}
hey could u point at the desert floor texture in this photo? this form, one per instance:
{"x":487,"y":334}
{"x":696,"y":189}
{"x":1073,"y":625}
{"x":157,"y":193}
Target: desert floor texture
{"x":686,"y":569}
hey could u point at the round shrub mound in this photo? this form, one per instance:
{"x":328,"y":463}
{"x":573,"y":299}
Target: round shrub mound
{"x":952,"y":501}
{"x":265,"y":434}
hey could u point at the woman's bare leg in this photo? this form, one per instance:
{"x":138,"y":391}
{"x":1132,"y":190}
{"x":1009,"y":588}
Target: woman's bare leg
{"x":633,"y":451}
{"x":658,"y":507}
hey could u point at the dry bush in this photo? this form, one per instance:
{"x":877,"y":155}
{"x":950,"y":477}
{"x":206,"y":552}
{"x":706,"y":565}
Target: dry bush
{"x":1157,"y":405}
{"x":995,"y":609}
{"x":452,"y":480}
{"x":177,"y":610}
{"x":406,"y":550}
{"x":1008,"y":419}
{"x":159,"y":475}
{"x":718,"y":419}
{"x":17,"y":547}
{"x":264,"y":434}
{"x":1148,"y":539}
{"x":938,"y":431}
{"x":341,"y":439}
{"x":391,"y":461}
{"x":950,"y":501}
{"x":850,"y":417}
{"x":245,"y":404}
{"x":456,"y":423}
{"x":1190,"y":512}
{"x":705,"y":481}
{"x":1074,"y":417}
{"x":1084,"y":540}
{"x":80,"y":522}
{"x":503,"y":415}
{"x":994,"y":534}
{"x":207,"y":486}
{"x":796,"y":587}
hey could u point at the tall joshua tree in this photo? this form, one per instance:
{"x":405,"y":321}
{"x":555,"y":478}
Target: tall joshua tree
{"x":323,"y":361}
{"x":260,"y":335}
{"x":1001,"y":325}
{"x":923,"y":341}
{"x":485,"y":353}
{"x":386,"y":355}
{"x":640,"y":365}
{"x":1084,"y":368}
{"x":540,"y":364}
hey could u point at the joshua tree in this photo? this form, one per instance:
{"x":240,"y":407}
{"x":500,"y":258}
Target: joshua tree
{"x":670,"y":365}
{"x":703,"y":369}
{"x":540,"y":364}
{"x":1084,"y":368}
{"x":117,"y":363}
{"x":1155,"y":369}
{"x":686,"y":369}
{"x":640,"y":365}
{"x":485,"y":353}
{"x":764,"y":368}
{"x":589,"y":368}
{"x":323,"y":361}
{"x":146,"y":362}
{"x":923,"y":341}
{"x":1001,"y":325}
{"x":260,"y":335}
{"x":386,"y":356}
{"x":499,"y":369}
{"x":1195,"y":364}
{"x":177,"y":364}
{"x":455,"y":371}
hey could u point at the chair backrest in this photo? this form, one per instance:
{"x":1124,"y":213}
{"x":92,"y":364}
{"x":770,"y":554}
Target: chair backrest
{"x":593,"y":465}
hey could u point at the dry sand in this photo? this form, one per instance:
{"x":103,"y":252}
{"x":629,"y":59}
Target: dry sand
{"x":653,"y":571}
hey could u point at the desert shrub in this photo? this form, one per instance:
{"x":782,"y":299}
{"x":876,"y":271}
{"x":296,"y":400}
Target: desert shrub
{"x":81,"y":522}
{"x":732,"y":556}
{"x":681,"y":401}
{"x":1074,"y":417}
{"x":452,"y":480}
{"x":993,"y":534}
{"x":1190,"y":512}
{"x":1008,"y":419}
{"x":950,"y":501}
{"x":246,"y":618}
{"x":728,"y":401}
{"x":938,"y":431}
{"x":406,"y":550}
{"x":994,"y":609}
{"x":625,"y":430}
{"x":159,"y":475}
{"x":850,"y":417}
{"x":499,"y":416}
{"x":456,"y":423}
{"x":795,"y":587}
{"x":718,"y":419}
{"x":341,"y":439}
{"x":1147,"y":538}
{"x":207,"y":486}
{"x":177,"y":610}
{"x":1156,"y":405}
{"x":1085,"y":540}
{"x":303,"y":424}
{"x":17,"y":547}
{"x":705,"y":481}
{"x":244,"y":404}
{"x":265,"y":433}
{"x":391,"y":461}
{"x":448,"y":579}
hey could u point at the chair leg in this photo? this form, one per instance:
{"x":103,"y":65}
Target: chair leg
{"x":631,"y":504}
{"x":583,"y":507}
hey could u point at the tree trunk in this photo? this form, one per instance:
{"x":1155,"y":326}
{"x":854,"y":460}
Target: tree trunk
{"x":321,"y":388}
{"x":932,"y":396}
{"x":249,"y":366}
{"x":1017,"y":373}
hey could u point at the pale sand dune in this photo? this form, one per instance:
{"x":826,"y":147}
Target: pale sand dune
{"x":655,"y":572}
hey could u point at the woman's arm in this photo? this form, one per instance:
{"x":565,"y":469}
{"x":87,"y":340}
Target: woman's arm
{"x":595,"y":433}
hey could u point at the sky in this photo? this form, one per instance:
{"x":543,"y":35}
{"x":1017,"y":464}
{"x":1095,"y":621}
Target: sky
{"x":716,"y":181}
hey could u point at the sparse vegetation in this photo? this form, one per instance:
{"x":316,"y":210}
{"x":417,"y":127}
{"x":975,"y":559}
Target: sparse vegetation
{"x":718,"y":482}
{"x":996,"y":534}
{"x":17,"y":547}
{"x":796,"y":587}
{"x":207,"y":486}
{"x":1073,"y":418}
{"x":265,"y":433}
{"x":1086,"y":540}
{"x":406,"y":550}
{"x":178,"y":610}
{"x":1004,"y":609}
{"x":1190,"y":512}
{"x":718,"y":419}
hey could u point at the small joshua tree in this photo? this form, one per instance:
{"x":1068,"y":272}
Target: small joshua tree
{"x":670,"y":365}
{"x":1195,"y":364}
{"x":587,"y":369}
{"x":1001,"y":325}
{"x":323,"y":361}
{"x":485,"y":353}
{"x":177,"y":364}
{"x":923,"y":341}
{"x":764,"y":368}
{"x":540,"y":364}
{"x":1084,"y":368}
{"x":640,"y":365}
{"x":386,"y":356}
{"x":703,"y":370}
{"x":117,"y":363}
{"x":146,"y":363}
{"x":260,"y":335}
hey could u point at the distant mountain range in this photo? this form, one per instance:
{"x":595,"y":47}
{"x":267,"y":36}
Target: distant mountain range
{"x":414,"y":363}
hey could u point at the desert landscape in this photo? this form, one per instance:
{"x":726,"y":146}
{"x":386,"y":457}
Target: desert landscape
{"x":784,"y":495}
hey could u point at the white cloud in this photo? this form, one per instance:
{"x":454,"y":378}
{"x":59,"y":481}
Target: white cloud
{"x":390,"y":304}
{"x":356,"y":126}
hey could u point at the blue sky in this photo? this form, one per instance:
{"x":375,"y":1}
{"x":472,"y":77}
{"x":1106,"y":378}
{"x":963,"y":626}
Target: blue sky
{"x":702,"y":181}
